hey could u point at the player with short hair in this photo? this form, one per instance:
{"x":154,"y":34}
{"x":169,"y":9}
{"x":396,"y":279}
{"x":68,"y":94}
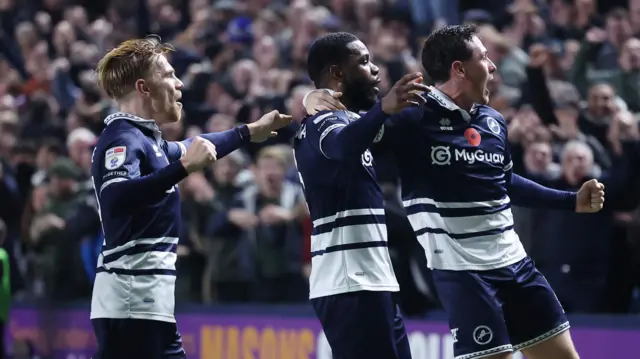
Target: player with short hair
{"x":352,"y":278}
{"x":457,"y":187}
{"x":135,"y":175}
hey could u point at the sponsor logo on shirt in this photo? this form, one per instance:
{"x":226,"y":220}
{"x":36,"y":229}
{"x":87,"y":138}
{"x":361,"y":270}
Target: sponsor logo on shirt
{"x":443,"y":156}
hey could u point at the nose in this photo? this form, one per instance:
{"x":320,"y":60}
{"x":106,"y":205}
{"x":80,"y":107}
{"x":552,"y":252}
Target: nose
{"x":492,"y":67}
{"x":179,"y":85}
{"x":375,"y":70}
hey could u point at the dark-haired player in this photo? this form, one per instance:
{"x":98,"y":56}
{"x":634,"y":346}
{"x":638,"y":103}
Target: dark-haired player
{"x":457,"y":188}
{"x":352,"y":279}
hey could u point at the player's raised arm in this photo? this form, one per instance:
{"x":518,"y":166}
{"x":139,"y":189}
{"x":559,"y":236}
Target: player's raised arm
{"x":328,"y":100}
{"x":341,"y":139}
{"x":230,"y":140}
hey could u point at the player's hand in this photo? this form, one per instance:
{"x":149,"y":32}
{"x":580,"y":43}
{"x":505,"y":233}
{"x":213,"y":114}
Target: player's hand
{"x":321,"y":100}
{"x":405,"y":93}
{"x":200,"y":154}
{"x":590,"y":197}
{"x":265,"y":127}
{"x":243,"y":218}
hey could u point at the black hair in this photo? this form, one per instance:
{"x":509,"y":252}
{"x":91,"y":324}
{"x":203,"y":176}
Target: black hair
{"x":327,"y":50}
{"x":443,"y":47}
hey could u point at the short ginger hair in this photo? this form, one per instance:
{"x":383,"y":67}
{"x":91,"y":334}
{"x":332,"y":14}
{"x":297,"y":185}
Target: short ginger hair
{"x":121,"y":67}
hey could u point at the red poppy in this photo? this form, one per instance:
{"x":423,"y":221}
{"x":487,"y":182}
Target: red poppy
{"x":472,"y":136}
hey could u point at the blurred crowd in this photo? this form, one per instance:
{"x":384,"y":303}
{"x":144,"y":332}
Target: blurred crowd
{"x":567,"y":82}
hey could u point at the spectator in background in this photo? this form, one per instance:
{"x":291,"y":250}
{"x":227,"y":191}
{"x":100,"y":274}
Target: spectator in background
{"x":49,"y":151}
{"x":265,"y":220}
{"x":57,"y":228}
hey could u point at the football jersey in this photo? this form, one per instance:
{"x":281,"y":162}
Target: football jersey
{"x":136,"y":270}
{"x":454,"y":166}
{"x":349,"y":239}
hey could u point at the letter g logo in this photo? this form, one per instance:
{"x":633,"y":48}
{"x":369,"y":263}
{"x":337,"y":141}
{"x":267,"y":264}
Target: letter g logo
{"x":440,"y":155}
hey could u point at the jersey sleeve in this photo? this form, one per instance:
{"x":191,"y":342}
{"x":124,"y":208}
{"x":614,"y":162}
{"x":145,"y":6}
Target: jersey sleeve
{"x":120,"y":161}
{"x":175,"y":150}
{"x":337,"y":137}
{"x":319,"y":128}
{"x":120,"y":177}
{"x":225,"y":141}
{"x":508,"y":159}
{"x":395,"y":130}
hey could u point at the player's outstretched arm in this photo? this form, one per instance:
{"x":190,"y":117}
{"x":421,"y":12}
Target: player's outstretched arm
{"x":343,"y":139}
{"x":230,"y":140}
{"x":526,"y":193}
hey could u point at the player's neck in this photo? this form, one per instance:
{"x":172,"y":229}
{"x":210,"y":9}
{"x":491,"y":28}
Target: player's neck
{"x":134,"y":107}
{"x":351,"y":104}
{"x":456,"y":95}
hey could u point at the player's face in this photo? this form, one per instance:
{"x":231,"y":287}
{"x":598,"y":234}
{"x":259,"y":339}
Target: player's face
{"x":478,"y":72}
{"x":360,"y":78}
{"x":165,"y":94}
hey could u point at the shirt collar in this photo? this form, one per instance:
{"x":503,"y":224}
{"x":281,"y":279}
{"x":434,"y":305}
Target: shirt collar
{"x":445,"y":101}
{"x":138,"y":121}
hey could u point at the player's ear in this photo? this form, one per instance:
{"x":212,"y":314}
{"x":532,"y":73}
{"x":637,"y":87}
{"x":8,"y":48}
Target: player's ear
{"x":336,"y":73}
{"x":141,"y":86}
{"x":457,"y":68}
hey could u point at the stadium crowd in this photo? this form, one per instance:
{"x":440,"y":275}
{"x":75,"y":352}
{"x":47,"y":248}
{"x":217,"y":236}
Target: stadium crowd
{"x":568,"y":83}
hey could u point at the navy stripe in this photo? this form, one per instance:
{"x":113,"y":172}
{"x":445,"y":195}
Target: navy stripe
{"x":455,"y":212}
{"x":345,"y":247}
{"x":154,"y":271}
{"x":141,"y":248}
{"x":463,"y":235}
{"x":348,"y":221}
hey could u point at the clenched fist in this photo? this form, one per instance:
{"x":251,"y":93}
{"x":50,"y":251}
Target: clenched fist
{"x":590,"y":197}
{"x":201,"y":153}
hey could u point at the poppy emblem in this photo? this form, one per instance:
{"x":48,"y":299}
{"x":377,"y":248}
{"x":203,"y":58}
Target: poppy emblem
{"x":472,"y":136}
